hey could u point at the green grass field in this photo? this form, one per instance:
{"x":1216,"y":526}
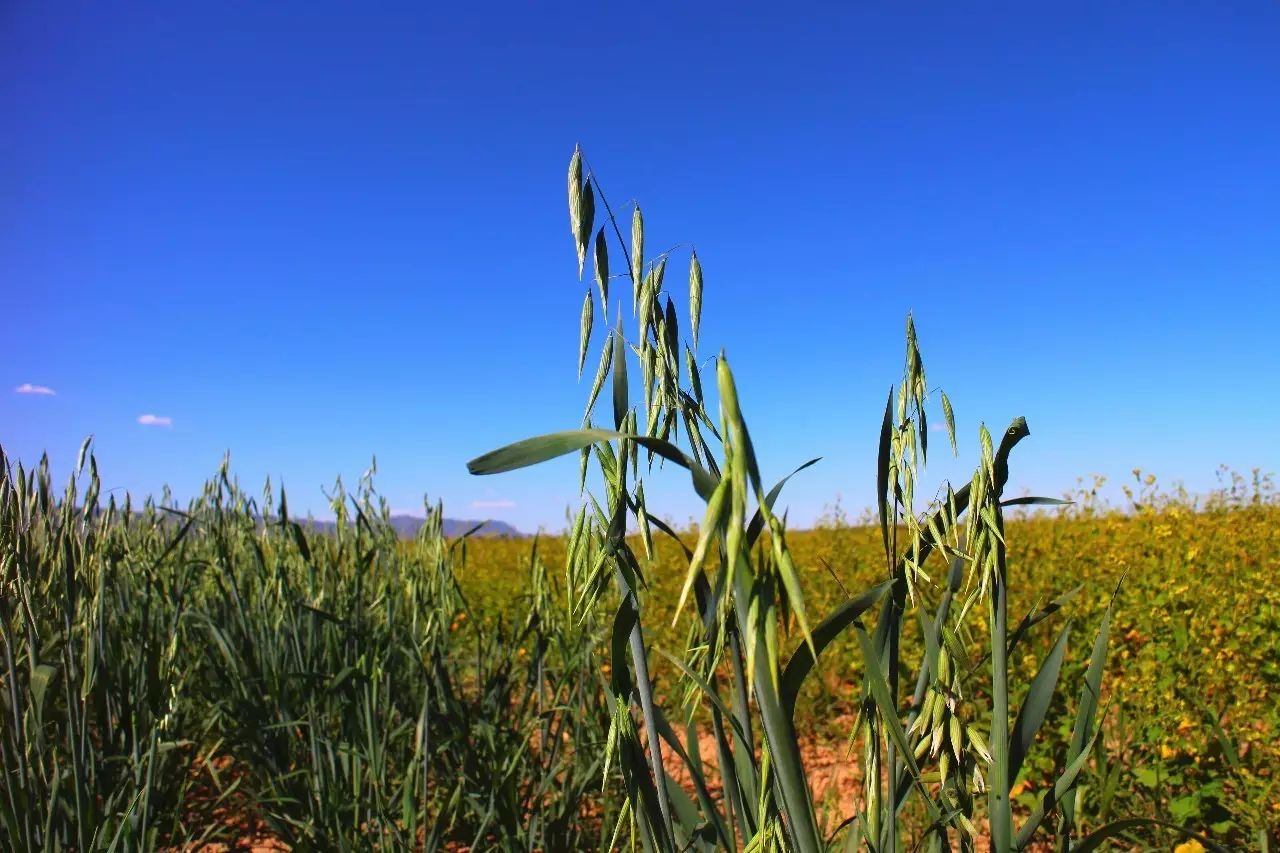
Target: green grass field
{"x":180,"y":676}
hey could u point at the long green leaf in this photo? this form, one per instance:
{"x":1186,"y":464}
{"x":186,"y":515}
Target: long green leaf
{"x":693,"y":763}
{"x":1036,"y":616}
{"x":707,"y":690}
{"x":1066,"y":782}
{"x":712,"y":523}
{"x":1034,"y":707}
{"x":532,"y":451}
{"x":756,"y":526}
{"x":1036,"y":501}
{"x":1082,"y":731}
{"x":882,"y":477}
{"x":796,"y":800}
{"x":803,"y":658}
{"x":1095,"y":839}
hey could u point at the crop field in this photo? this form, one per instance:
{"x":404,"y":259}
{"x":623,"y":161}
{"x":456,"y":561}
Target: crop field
{"x":981,"y":673}
{"x":1194,"y":667}
{"x":195,"y":675}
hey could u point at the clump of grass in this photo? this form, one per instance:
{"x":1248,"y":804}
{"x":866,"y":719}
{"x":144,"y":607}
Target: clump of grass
{"x":940,"y":740}
{"x":173,"y":676}
{"x":93,"y":729}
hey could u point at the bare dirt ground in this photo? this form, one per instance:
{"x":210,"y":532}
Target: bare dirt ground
{"x":230,"y":816}
{"x":834,"y":778}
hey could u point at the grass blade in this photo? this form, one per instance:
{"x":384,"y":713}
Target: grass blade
{"x":803,"y":658}
{"x":1036,"y":704}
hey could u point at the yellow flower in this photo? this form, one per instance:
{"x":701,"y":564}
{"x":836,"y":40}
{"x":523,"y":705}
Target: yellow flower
{"x":1167,"y":752}
{"x":1191,"y":846}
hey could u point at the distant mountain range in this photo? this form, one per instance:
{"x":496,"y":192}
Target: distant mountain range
{"x":407,"y":526}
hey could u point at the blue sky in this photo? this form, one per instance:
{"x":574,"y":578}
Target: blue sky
{"x":311,"y":234}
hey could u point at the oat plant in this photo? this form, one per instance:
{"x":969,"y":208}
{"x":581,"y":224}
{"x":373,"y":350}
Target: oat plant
{"x":171,"y":677}
{"x":941,"y":741}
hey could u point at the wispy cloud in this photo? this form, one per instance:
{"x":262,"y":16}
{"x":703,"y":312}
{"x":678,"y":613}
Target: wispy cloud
{"x":155,"y":420}
{"x":38,"y":390}
{"x":498,"y":504}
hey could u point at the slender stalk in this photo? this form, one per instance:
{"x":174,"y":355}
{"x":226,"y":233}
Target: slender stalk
{"x":999,"y":808}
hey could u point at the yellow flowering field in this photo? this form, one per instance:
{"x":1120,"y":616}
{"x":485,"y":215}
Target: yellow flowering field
{"x":1193,"y":720}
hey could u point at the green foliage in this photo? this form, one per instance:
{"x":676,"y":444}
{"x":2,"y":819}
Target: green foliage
{"x":173,"y":676}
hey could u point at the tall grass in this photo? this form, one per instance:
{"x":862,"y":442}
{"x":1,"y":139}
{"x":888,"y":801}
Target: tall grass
{"x":173,"y":676}
{"x":939,"y":734}
{"x":92,"y":727}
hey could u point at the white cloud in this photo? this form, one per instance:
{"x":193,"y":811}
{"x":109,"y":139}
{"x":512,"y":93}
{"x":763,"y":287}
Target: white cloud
{"x":155,"y":420}
{"x":39,"y":390}
{"x":499,"y":504}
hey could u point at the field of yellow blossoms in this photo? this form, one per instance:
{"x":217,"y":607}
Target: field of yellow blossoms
{"x":1193,"y":719}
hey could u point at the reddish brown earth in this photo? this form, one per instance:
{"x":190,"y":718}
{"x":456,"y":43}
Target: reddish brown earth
{"x":232,"y":817}
{"x":833,"y":775}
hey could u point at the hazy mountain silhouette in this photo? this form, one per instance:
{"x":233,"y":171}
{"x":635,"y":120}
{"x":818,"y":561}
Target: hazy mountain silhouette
{"x":407,"y":526}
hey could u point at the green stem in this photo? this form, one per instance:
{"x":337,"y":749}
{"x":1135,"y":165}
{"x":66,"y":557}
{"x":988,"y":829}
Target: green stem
{"x":998,"y":796}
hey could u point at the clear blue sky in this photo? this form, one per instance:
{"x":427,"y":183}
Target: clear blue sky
{"x":310,"y":233}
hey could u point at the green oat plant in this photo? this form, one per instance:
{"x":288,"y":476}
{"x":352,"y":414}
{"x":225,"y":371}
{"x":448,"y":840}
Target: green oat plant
{"x":174,"y":676}
{"x":338,"y":672}
{"x":91,"y":744}
{"x":941,"y":746}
